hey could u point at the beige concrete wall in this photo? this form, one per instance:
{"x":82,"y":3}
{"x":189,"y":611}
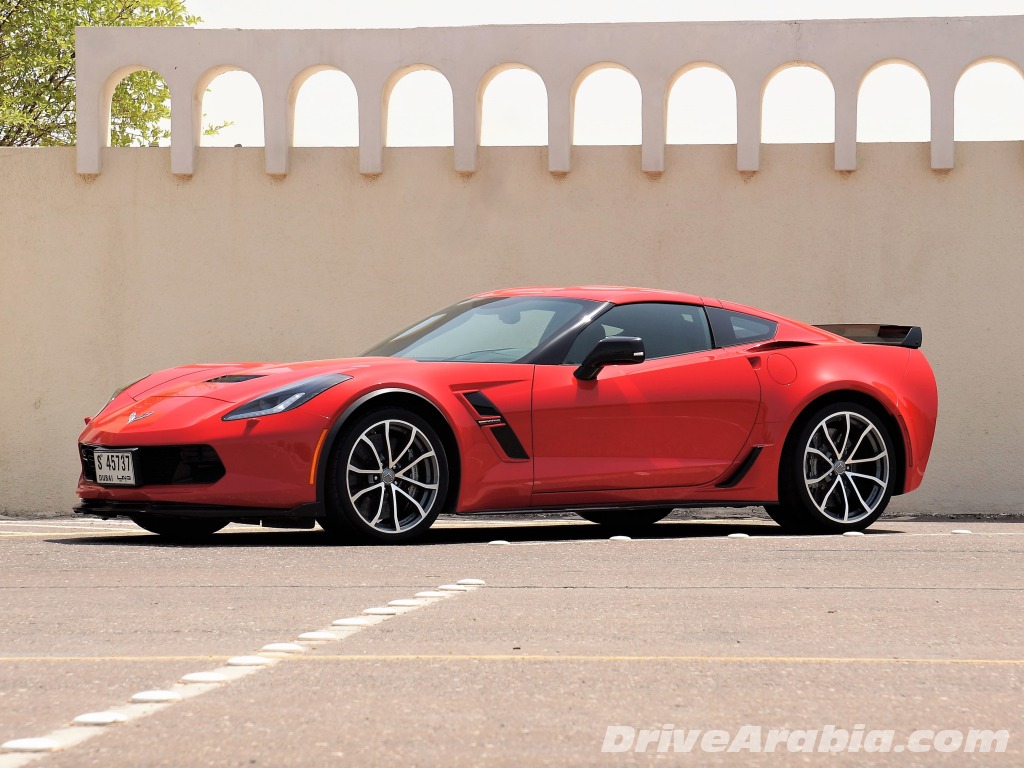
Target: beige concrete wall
{"x":103,"y":280}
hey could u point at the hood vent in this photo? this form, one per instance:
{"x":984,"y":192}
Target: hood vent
{"x":234,"y":378}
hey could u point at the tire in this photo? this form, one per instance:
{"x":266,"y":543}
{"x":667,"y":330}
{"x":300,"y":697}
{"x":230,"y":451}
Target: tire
{"x":626,"y":519}
{"x":181,"y":529}
{"x":837,"y":474}
{"x":387,"y":479}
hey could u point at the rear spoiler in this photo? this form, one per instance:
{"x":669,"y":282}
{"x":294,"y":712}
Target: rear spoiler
{"x":889,"y":335}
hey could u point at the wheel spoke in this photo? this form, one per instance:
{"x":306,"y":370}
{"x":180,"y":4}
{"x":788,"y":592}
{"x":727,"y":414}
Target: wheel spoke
{"x":394,"y":508}
{"x":380,"y":507}
{"x":365,"y":491}
{"x":376,"y":455}
{"x":408,"y":446}
{"x":422,"y":511}
{"x":846,"y":501}
{"x":387,"y":442}
{"x":427,"y":486}
{"x":359,"y":471}
{"x":824,"y":501}
{"x":817,"y":480}
{"x":846,"y":438}
{"x":863,"y":504}
{"x":815,"y":450}
{"x":418,"y":459}
{"x":824,"y":428}
{"x":860,"y":440}
{"x":872,"y":478}
{"x":880,"y":456}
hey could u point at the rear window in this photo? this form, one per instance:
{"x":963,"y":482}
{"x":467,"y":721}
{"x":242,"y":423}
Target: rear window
{"x":733,"y":328}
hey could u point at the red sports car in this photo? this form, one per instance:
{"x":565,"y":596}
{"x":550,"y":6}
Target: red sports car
{"x":619,"y":404}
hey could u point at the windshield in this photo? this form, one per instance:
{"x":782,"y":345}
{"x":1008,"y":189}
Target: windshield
{"x":487,"y":330}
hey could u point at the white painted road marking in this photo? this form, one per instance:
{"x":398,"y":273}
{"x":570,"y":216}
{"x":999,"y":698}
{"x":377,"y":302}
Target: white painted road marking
{"x":18,"y":752}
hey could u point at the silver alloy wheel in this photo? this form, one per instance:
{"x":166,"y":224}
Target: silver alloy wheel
{"x":392,"y":476}
{"x":846,"y":467}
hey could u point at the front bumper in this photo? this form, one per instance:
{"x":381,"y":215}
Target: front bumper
{"x":302,"y":516}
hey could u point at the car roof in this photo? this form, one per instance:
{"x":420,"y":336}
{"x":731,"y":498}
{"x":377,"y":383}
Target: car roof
{"x":616,"y":294}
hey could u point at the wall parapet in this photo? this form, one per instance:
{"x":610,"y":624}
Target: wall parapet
{"x":655,"y":53}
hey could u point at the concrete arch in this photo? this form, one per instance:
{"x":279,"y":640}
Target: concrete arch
{"x":106,"y":95}
{"x":488,"y":79}
{"x":941,"y":47}
{"x":204,"y":82}
{"x":793,"y":65}
{"x":871,"y":72}
{"x":388,"y":94}
{"x":1012,"y":64}
{"x":686,"y":70}
{"x":1004,"y":112}
{"x":887,"y":62}
{"x":583,"y":76}
{"x":295,"y":88}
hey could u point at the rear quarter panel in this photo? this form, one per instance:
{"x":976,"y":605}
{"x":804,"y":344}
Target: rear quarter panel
{"x":898,"y":378}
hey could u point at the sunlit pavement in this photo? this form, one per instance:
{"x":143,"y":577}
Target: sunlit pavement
{"x":911,"y":626}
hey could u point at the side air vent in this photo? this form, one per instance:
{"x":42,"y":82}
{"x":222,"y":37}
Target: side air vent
{"x":235,"y":378}
{"x":489,"y":417}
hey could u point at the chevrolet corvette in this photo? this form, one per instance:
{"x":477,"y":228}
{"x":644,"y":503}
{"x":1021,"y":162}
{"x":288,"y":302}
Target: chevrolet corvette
{"x":619,"y":404}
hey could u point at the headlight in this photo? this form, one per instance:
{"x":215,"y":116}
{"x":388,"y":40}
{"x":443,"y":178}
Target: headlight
{"x":117,"y":392}
{"x":286,"y":398}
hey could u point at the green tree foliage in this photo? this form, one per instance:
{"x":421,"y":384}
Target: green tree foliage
{"x":37,"y":70}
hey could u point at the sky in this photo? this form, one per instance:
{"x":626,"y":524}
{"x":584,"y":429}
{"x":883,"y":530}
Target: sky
{"x":798,"y":103}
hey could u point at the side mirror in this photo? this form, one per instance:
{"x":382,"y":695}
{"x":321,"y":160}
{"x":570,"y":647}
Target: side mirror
{"x":613,"y":350}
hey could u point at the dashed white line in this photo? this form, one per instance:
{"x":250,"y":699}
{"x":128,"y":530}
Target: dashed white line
{"x":283,"y":648}
{"x":19,"y":752}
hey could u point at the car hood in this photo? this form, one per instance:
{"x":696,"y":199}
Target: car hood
{"x":241,"y":382}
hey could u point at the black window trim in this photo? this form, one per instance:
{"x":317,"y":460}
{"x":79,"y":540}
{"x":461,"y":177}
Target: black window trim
{"x":738,"y":342}
{"x":610,"y":306}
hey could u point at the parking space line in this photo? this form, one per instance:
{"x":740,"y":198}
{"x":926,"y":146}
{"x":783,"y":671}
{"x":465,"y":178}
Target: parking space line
{"x":70,"y":659}
{"x":662,"y":659}
{"x":18,"y":752}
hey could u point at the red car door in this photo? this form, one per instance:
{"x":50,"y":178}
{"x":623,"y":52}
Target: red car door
{"x":678,"y":419}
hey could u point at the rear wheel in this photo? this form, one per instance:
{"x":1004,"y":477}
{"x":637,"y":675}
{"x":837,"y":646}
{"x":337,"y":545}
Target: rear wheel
{"x":180,"y":528}
{"x":837,"y":474}
{"x":626,"y":519}
{"x":388,"y":478}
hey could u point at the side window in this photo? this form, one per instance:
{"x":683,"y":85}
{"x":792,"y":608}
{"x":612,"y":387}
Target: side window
{"x":733,"y":328}
{"x":667,"y":329}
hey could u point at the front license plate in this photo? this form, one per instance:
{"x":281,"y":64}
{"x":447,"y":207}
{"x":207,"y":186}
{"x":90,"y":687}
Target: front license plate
{"x":115,"y":467}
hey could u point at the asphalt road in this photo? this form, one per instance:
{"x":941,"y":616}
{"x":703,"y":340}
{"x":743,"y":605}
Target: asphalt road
{"x":908,"y":628}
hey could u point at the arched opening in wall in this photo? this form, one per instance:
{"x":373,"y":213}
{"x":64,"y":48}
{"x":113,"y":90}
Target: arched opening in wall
{"x":514,"y":109}
{"x":798,"y":106}
{"x":894,"y":104}
{"x":232,"y":110}
{"x":989,"y":103}
{"x":419,"y":110}
{"x":607,"y":107}
{"x":326,"y":111}
{"x":140,"y":111}
{"x":701,"y":107}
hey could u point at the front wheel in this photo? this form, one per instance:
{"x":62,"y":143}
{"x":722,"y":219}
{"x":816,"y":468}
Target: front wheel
{"x":388,"y":478}
{"x":180,"y":529}
{"x":837,"y":475}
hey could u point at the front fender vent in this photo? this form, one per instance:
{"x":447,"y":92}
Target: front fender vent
{"x":489,"y":417}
